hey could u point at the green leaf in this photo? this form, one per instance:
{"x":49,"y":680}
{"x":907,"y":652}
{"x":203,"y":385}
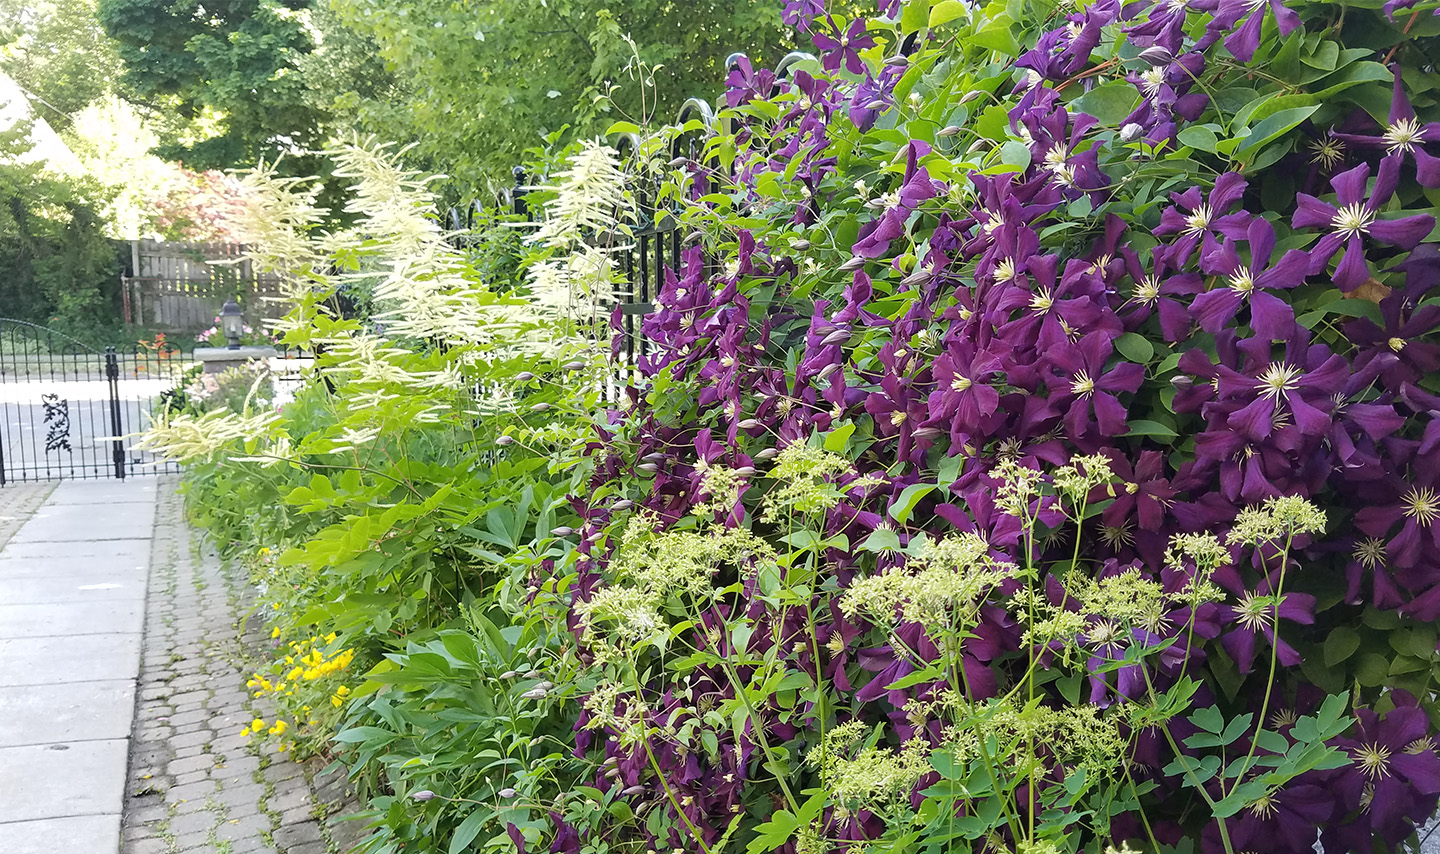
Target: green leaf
{"x":836,"y":440}
{"x":1372,"y":669}
{"x":467,"y":831}
{"x":1198,"y":137}
{"x":1108,"y":103}
{"x":1273,"y":126}
{"x":1340,"y":645}
{"x":997,"y":37}
{"x":946,"y":11}
{"x":773,"y":833}
{"x":1151,"y":428}
{"x":1135,"y":347}
{"x":915,"y":16}
{"x":929,"y":674}
{"x":909,"y":497}
{"x":1015,"y":153}
{"x":881,"y":540}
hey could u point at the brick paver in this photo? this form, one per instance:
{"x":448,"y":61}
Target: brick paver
{"x":195,"y":784}
{"x":18,"y":502}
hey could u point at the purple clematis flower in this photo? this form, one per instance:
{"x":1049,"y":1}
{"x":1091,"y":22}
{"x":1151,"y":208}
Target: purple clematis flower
{"x":1415,"y":508}
{"x":1392,"y":779}
{"x":1353,"y":217}
{"x":1198,"y":218}
{"x":1243,"y":42}
{"x":1086,"y":392}
{"x":1280,"y":822}
{"x":799,"y":13}
{"x":897,"y":205}
{"x":1255,"y":616}
{"x":744,"y":83}
{"x":842,"y":46}
{"x":1404,"y":136}
{"x":1154,"y":292}
{"x":963,"y":397}
{"x":1402,"y":345}
{"x":1246,"y":284}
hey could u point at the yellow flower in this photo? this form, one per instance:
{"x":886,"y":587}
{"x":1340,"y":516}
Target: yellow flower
{"x":342,"y":691}
{"x":257,"y":724}
{"x":279,"y":728}
{"x":275,"y":633}
{"x":336,"y":701}
{"x":330,"y":638}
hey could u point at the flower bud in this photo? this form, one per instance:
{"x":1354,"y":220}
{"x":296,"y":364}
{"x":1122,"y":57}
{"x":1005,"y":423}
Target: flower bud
{"x":877,"y":104}
{"x":768,"y":454}
{"x":1157,"y":55}
{"x":948,"y":130}
{"x":509,"y":674}
{"x":1182,"y":382}
{"x":562,"y":530}
{"x":748,"y":424}
{"x":524,"y":377}
{"x":540,"y":407}
{"x":653,"y":457}
{"x":898,"y":60}
{"x":632,"y":791}
{"x":852,"y":265}
{"x":648,"y":468}
{"x":1131,"y":132}
{"x":839,"y":336}
{"x":506,"y":793}
{"x":800,"y":245}
{"x":572,"y":366}
{"x":745,"y":471}
{"x":534,"y":694}
{"x":422,"y":795}
{"x":972,"y":95}
{"x":505,"y":441}
{"x":622,"y":504}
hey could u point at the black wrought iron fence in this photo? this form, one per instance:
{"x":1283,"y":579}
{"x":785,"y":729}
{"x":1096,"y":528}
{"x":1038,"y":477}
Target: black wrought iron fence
{"x":70,"y":411}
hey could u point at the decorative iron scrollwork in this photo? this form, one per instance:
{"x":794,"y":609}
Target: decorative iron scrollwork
{"x":57,"y":423}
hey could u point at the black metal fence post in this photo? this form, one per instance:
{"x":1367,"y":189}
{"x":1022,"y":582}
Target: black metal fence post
{"x":112,"y":373}
{"x":517,"y":195}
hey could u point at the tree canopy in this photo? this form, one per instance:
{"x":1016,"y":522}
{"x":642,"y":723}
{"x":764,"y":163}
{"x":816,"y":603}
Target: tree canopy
{"x":483,"y":81}
{"x":230,"y":68}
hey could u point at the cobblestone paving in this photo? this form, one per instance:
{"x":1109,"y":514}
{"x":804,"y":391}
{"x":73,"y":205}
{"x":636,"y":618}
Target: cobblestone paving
{"x":18,"y":502}
{"x":196,"y":784}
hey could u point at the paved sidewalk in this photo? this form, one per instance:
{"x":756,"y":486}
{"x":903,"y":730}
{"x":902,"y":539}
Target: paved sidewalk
{"x":72,"y":588}
{"x":196,"y":784}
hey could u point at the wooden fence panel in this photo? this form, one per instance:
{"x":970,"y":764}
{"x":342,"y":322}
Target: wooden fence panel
{"x":180,"y":287}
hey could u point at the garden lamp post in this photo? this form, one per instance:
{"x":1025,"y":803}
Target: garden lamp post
{"x":232,"y":323}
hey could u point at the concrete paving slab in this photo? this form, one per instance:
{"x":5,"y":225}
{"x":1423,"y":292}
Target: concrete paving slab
{"x":131,"y":552}
{"x":59,"y":780}
{"x":85,"y":834}
{"x":111,"y":587}
{"x":71,"y":712}
{"x":72,"y":522}
{"x":133,"y":491}
{"x":66,"y":566}
{"x":81,"y":658}
{"x":98,"y":616}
